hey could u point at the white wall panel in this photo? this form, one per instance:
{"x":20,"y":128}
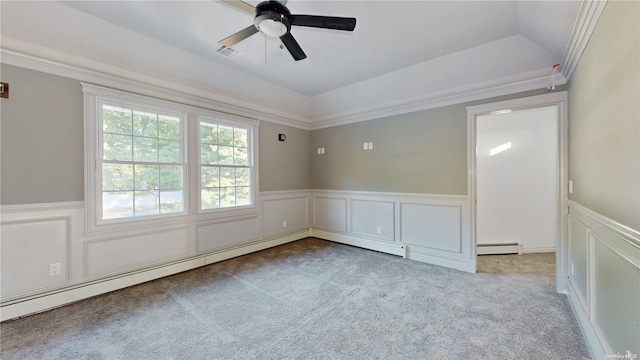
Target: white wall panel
{"x":374,"y":219}
{"x":116,"y":254}
{"x":432,"y":226}
{"x":616,"y":294}
{"x":611,"y":271}
{"x":578,"y":274}
{"x":28,"y":248}
{"x":275,"y":212}
{"x":330,"y":214}
{"x":226,"y":234}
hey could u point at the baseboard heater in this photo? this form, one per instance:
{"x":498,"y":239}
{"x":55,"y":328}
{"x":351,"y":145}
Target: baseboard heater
{"x":496,"y":249}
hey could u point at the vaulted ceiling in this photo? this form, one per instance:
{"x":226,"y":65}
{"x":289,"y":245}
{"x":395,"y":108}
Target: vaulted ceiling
{"x":399,"y":49}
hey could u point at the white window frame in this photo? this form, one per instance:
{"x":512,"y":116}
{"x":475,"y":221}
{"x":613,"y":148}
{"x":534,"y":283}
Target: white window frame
{"x":250,"y":160}
{"x":94,"y":223}
{"x":100,"y":158}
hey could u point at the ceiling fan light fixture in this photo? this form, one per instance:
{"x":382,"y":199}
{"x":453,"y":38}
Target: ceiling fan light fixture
{"x":273,"y":25}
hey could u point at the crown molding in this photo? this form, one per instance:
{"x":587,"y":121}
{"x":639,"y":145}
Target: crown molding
{"x":151,"y":87}
{"x":534,"y":80}
{"x":586,"y":21}
{"x":170,"y":91}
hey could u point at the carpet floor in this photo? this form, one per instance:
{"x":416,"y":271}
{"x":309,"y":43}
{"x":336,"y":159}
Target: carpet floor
{"x":314,"y":299}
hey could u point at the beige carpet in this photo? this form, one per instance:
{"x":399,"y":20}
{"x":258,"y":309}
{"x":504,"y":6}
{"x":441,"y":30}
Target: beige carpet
{"x":536,"y":264}
{"x":314,"y":299}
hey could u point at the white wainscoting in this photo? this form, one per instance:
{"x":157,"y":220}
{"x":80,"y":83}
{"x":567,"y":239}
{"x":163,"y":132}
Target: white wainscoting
{"x":604,"y":282}
{"x":330,"y":214}
{"x":37,"y":235}
{"x":284,"y":212}
{"x":226,"y":233}
{"x":117,"y":254}
{"x":429,"y":228}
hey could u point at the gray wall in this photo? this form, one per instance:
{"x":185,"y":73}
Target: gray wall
{"x":604,"y":118}
{"x":42,"y":138}
{"x":420,"y":152}
{"x":284,"y":165}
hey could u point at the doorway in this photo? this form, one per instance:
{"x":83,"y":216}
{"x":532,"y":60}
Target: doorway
{"x":517,"y":180}
{"x":503,"y":161}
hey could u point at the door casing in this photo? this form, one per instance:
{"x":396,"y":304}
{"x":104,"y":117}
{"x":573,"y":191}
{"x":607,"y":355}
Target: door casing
{"x":556,"y":98}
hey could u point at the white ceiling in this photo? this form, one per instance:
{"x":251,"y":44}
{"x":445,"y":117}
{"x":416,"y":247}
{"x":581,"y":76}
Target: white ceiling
{"x":407,"y":47}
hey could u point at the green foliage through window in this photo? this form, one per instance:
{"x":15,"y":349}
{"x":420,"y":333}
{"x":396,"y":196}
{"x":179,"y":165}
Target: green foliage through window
{"x":142,"y":163}
{"x":224,"y":166}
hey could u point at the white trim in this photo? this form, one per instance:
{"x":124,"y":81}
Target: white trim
{"x":93,"y":95}
{"x":499,"y":87}
{"x":29,"y":208}
{"x":187,"y":95}
{"x":596,"y":350}
{"x":389,"y":248}
{"x":440,"y":261}
{"x":519,"y":104}
{"x":153,"y":87}
{"x":46,"y":301}
{"x":587,"y":19}
{"x":372,"y":195}
{"x":530,"y":250}
{"x":623,"y":243}
{"x":559,"y":99}
{"x":622,"y":231}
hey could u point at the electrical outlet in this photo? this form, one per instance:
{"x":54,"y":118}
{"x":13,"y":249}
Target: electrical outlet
{"x":570,"y":186}
{"x":54,"y":269}
{"x":284,"y":223}
{"x":379,"y":230}
{"x":370,"y":146}
{"x":366,"y":146}
{"x":573,"y":269}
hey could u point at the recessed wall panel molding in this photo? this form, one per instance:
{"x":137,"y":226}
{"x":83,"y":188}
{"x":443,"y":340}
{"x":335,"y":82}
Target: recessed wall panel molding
{"x":616,"y":295}
{"x":330,"y":213}
{"x":35,"y":255}
{"x":432,"y":226}
{"x":284,"y":213}
{"x":375,"y":219}
{"x":225,"y":234}
{"x":579,"y":256}
{"x":124,"y":253}
{"x":605,"y":280}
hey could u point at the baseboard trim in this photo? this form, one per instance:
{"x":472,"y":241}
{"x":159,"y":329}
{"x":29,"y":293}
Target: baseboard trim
{"x":394,"y":249}
{"x":596,"y":350}
{"x":23,"y":307}
{"x":529,"y":250}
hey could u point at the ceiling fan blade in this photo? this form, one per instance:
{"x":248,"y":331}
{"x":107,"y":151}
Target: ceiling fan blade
{"x":239,"y":36}
{"x":292,"y":45}
{"x":241,"y":5}
{"x":325,"y":22}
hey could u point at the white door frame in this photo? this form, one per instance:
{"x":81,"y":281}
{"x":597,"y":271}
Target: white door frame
{"x":556,"y":98}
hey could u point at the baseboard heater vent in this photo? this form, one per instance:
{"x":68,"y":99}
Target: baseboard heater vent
{"x":496,"y":249}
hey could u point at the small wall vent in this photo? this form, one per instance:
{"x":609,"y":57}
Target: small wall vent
{"x":228,"y":51}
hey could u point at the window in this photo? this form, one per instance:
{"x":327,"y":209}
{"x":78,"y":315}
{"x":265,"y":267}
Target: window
{"x":142,"y":161}
{"x":157,"y":163}
{"x":225,"y":165}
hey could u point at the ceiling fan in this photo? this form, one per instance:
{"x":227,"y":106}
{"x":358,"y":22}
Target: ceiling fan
{"x":273,"y":19}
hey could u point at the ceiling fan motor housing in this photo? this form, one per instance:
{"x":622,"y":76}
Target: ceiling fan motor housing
{"x":271,"y":19}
